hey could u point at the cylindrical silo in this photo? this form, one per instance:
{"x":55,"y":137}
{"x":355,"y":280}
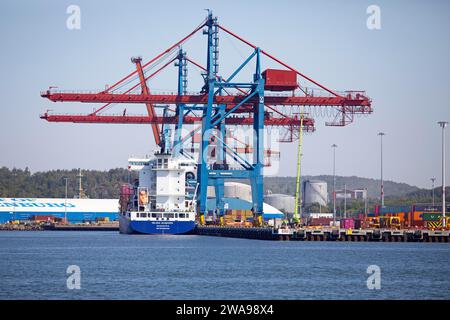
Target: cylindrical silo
{"x":315,"y":191}
{"x":282,"y":202}
{"x":233,"y":189}
{"x":238,"y":190}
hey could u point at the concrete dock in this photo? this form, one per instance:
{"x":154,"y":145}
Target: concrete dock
{"x":236,"y":232}
{"x":326,"y":234}
{"x":82,"y":227}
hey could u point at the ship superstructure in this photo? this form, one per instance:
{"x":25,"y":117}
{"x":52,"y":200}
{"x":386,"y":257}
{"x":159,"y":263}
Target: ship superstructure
{"x":161,"y":200}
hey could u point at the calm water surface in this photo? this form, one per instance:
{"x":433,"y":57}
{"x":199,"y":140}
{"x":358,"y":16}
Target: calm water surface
{"x":33,"y":266}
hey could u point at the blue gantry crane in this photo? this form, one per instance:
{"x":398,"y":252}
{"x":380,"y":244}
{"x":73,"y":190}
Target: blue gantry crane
{"x":222,"y":102}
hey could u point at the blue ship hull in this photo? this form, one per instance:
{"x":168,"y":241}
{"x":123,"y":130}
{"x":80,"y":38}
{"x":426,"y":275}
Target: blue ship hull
{"x":154,"y":227}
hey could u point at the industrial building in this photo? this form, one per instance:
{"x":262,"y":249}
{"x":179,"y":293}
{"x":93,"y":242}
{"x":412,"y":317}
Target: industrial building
{"x":74,"y":210}
{"x":91,"y":210}
{"x":360,"y":194}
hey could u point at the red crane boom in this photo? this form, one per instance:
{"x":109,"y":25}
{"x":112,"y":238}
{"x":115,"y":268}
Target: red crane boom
{"x":308,"y":123}
{"x":347,"y":104}
{"x":150,"y":109}
{"x":355,"y":102}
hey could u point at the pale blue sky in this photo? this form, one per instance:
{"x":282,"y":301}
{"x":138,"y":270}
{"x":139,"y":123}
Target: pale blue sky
{"x":404,"y":67}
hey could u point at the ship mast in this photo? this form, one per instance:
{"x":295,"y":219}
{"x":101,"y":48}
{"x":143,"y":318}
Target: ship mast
{"x":81,"y":193}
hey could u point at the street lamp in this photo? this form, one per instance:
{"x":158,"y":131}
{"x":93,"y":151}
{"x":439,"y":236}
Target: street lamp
{"x":365,"y":204}
{"x":381,"y":134}
{"x":443,"y":124}
{"x":432,"y":190}
{"x":334,"y":146}
{"x":14,"y":194}
{"x":65,"y":202}
{"x":345,"y":201}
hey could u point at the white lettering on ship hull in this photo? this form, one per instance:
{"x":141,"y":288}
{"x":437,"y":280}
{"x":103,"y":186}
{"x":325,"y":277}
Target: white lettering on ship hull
{"x":162,"y":225}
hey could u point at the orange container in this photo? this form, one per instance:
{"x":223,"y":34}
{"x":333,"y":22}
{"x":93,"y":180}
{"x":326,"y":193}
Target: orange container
{"x":418,"y":215}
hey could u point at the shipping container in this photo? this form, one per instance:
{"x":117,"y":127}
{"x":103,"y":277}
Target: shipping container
{"x":43,"y":217}
{"x":320,"y":215}
{"x":432,"y":216}
{"x":60,"y":220}
{"x":417,"y":223}
{"x":359,"y":223}
{"x":401,"y":215}
{"x":279,"y":80}
{"x":335,"y":224}
{"x":348,"y":224}
{"x":418,"y":215}
{"x":427,"y":207}
{"x":393,"y":209}
{"x":320,"y":221}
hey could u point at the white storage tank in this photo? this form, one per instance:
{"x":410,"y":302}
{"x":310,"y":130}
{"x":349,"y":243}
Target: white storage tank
{"x":282,"y":202}
{"x":233,"y":189}
{"x":315,"y":191}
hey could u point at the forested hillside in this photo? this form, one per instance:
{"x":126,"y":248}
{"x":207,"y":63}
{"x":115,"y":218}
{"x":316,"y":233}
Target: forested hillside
{"x":106,"y":184}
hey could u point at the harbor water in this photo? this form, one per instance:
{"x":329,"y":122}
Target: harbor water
{"x":33,"y":265}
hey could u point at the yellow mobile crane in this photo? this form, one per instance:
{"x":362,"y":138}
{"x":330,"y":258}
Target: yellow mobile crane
{"x":298,"y":205}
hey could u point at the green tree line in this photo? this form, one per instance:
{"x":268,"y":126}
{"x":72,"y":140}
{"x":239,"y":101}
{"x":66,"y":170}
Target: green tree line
{"x":22,"y":183}
{"x":106,"y":184}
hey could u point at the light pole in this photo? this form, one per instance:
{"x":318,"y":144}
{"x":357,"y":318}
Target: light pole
{"x":345,"y":201}
{"x":65,"y":202}
{"x":381,"y":134}
{"x":334,"y":146}
{"x":365,"y":205}
{"x":432,"y":190}
{"x":13,"y":194}
{"x":443,"y":124}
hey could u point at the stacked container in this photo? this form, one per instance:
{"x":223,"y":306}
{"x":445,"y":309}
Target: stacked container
{"x":43,"y":218}
{"x":315,"y":222}
{"x":348,"y":224}
{"x":359,"y":223}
